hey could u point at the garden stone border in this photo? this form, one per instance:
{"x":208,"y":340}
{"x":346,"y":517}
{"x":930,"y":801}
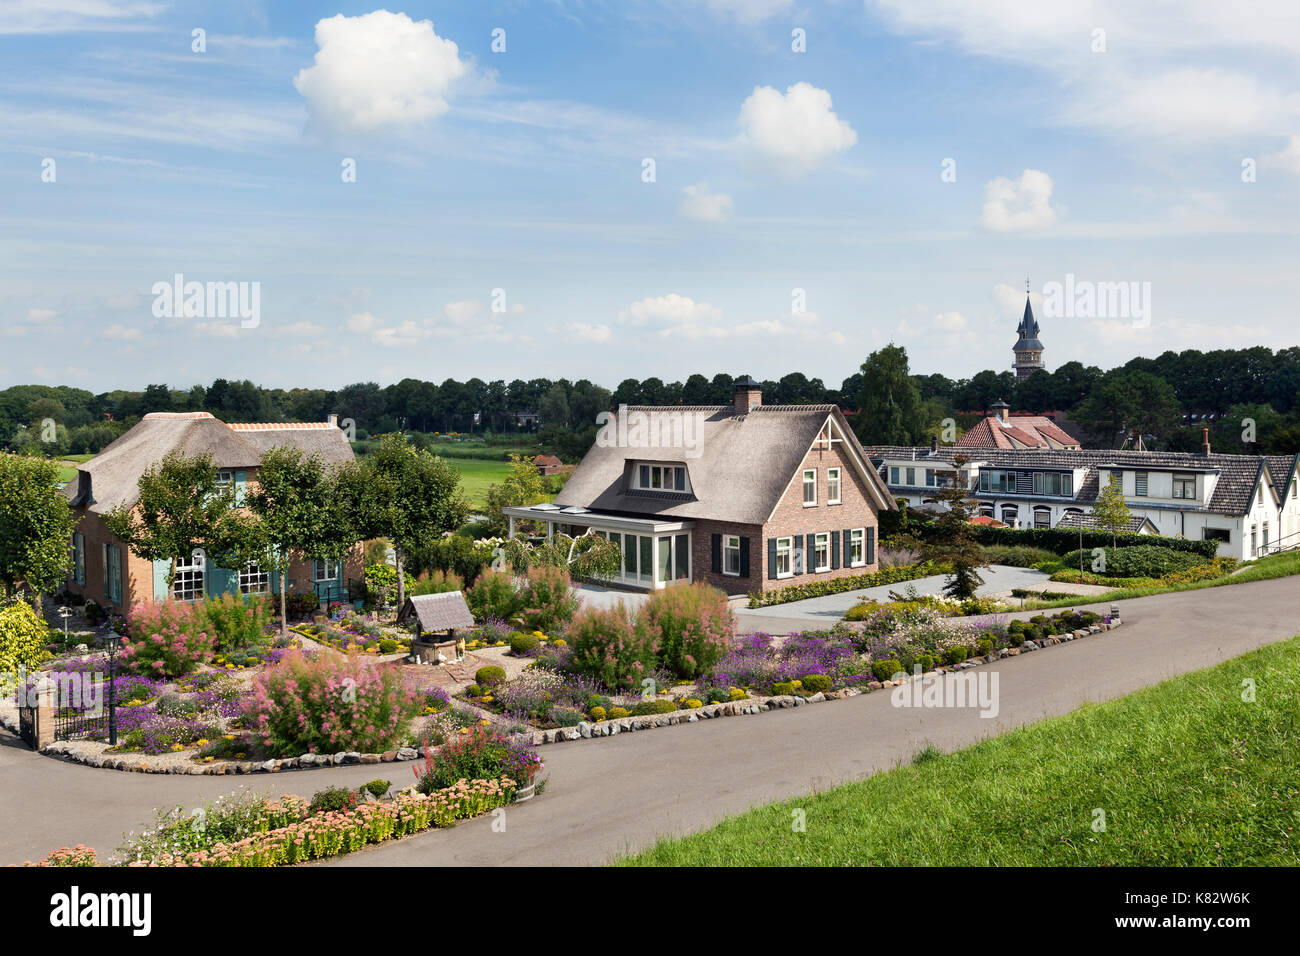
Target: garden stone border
{"x":586,"y":730}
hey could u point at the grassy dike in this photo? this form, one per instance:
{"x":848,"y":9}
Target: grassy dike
{"x":1187,"y":772}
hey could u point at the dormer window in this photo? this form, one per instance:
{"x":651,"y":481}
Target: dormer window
{"x":1185,"y":486}
{"x":659,"y":477}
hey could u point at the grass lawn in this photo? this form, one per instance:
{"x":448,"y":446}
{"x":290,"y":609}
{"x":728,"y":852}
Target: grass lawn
{"x":1188,"y":774}
{"x":1261,"y":569}
{"x":478,"y":474}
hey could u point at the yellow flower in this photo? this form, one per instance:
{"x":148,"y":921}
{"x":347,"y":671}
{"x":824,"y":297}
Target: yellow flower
{"x":485,"y":722}
{"x":201,"y":743}
{"x":176,"y":747}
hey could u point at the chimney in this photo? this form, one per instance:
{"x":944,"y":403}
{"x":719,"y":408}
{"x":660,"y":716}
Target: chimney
{"x":1002,"y":410}
{"x":1205,"y":442}
{"x":749,"y":395}
{"x":934,"y":444}
{"x":332,"y":420}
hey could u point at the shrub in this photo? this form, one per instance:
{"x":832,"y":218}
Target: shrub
{"x":490,"y":676}
{"x":598,"y":713}
{"x":332,"y":800}
{"x":546,"y":598}
{"x":525,"y":645}
{"x":615,"y":713}
{"x":737,"y":694}
{"x":381,"y":583}
{"x":328,"y":704}
{"x":493,"y":596}
{"x":689,"y":626}
{"x":79,"y":856}
{"x":849,"y":582}
{"x":1061,"y":540}
{"x":378,"y":787}
{"x":817,"y":683}
{"x":388,"y":646}
{"x":173,"y":705}
{"x":647,"y":707}
{"x":479,"y":755}
{"x":1143,"y":561}
{"x":301,"y":605}
{"x":985,"y":646}
{"x":22,"y":638}
{"x":437,"y":582}
{"x":1017,"y":555}
{"x":166,"y":639}
{"x":566,"y":716}
{"x":955,"y":655}
{"x":691,"y":703}
{"x":783,"y":688}
{"x":886,"y":669}
{"x":237,"y":623}
{"x":608,"y":647}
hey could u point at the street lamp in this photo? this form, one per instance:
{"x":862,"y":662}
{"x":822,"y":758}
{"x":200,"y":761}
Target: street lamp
{"x":65,"y":612}
{"x":112,"y":642}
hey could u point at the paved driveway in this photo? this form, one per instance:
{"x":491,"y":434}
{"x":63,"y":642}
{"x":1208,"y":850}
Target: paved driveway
{"x":615,"y":794}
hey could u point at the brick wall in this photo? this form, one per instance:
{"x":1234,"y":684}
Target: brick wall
{"x":857,"y":510}
{"x":702,"y":555}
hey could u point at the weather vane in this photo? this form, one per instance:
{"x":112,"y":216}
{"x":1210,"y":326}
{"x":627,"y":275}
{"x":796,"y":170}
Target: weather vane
{"x":1026,"y":283}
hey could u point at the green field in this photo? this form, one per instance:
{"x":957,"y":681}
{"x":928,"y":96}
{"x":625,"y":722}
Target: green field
{"x":477,"y":475}
{"x":1187,"y":773}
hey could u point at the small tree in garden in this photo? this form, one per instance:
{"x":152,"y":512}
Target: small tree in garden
{"x":589,"y":556}
{"x":182,"y":508}
{"x":523,"y":485}
{"x":407,"y":495}
{"x":1110,"y":510}
{"x":23,"y":637}
{"x":606,"y":645}
{"x":296,"y":508}
{"x":494,"y":595}
{"x":689,"y":626}
{"x":35,"y":524}
{"x":952,"y":536}
{"x":546,"y":598}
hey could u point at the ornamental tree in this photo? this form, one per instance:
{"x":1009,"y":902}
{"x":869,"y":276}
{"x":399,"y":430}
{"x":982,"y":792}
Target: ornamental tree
{"x":951,"y":539}
{"x":36,"y":524}
{"x":1110,"y":510}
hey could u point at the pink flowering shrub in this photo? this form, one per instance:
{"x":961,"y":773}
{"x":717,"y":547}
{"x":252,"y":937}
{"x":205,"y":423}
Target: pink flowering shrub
{"x":546,"y":599}
{"x":689,"y":626}
{"x":605,"y":645}
{"x":328,"y":704}
{"x":166,"y":639}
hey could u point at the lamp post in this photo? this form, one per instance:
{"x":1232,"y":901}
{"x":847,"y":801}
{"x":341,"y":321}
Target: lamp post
{"x":65,"y":612}
{"x":113,"y":641}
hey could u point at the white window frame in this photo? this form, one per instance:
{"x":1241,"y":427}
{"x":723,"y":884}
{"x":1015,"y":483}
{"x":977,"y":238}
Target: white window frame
{"x":225,"y":478}
{"x":730,"y":549}
{"x":858,"y":547}
{"x":785,"y":554}
{"x":813,"y":484}
{"x":660,"y":477}
{"x":254,"y":579}
{"x":324,"y":564}
{"x":834,"y":487}
{"x":1180,"y":485}
{"x":822,"y":545}
{"x":190,"y":580}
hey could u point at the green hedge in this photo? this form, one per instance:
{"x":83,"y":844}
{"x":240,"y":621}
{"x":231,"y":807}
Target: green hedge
{"x":798,"y":592}
{"x":1143,"y":561}
{"x":1064,"y":540}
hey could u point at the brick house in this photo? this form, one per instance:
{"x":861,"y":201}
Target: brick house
{"x":548,"y":464}
{"x":745,"y":496}
{"x":105,"y":570}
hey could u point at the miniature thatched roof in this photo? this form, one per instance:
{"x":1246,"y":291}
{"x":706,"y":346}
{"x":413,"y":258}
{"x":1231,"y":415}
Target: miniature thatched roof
{"x":437,"y":612}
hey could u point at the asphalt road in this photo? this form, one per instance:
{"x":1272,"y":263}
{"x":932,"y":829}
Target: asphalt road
{"x":616,"y":794}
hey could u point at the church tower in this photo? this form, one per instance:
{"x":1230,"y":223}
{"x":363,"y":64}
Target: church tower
{"x":1028,"y":350}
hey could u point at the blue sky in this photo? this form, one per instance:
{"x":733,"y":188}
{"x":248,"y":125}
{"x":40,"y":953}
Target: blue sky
{"x":500,"y":225}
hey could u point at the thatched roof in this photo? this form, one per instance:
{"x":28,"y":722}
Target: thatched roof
{"x":111,"y":478}
{"x":745,"y":464}
{"x":437,"y":612}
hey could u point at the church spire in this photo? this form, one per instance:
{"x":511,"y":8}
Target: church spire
{"x":1028,"y":349}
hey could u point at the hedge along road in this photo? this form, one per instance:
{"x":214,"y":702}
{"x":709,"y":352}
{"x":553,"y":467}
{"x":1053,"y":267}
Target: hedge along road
{"x":617,"y":794}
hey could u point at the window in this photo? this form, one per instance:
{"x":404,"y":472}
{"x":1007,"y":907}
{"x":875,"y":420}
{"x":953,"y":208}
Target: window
{"x":1053,"y":483}
{"x":1042,"y":517}
{"x":893,"y":476}
{"x":629,"y":556}
{"x":1217,"y":534}
{"x":929,"y":477}
{"x":79,"y":557}
{"x":115,"y":574}
{"x":225,"y":479}
{"x":731,"y":555}
{"x":253,"y":579}
{"x":997,"y":480}
{"x":784,"y":557}
{"x":661,"y":478}
{"x":681,"y":557}
{"x":1009,"y":514}
{"x":832,"y":486}
{"x":810,"y":487}
{"x":857,"y":547}
{"x":1261,"y":494}
{"x":911,"y":477}
{"x":1140,"y":484}
{"x":188,"y":583}
{"x":647,"y":547}
{"x":822,"y":552}
{"x":1184,"y":486}
{"x":323,"y":569}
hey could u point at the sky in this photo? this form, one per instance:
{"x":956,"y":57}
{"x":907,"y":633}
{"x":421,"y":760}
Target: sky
{"x":636,"y":188}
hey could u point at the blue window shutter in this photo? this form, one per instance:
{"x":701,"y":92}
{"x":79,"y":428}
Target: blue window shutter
{"x":871,"y":546}
{"x":835,"y":550}
{"x":848,"y":546}
{"x":241,"y":484}
{"x":108,"y":595}
{"x":160,"y":569}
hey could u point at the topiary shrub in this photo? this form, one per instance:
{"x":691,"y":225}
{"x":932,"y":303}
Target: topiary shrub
{"x":985,"y":646}
{"x":886,"y":669}
{"x":598,"y":713}
{"x":378,"y":787}
{"x":647,"y":707}
{"x":817,"y":683}
{"x":615,"y":713}
{"x":783,"y":688}
{"x":388,"y":646}
{"x":525,"y":645}
{"x":926,"y":662}
{"x":490,"y":676}
{"x":689,"y":626}
{"x":605,"y":645}
{"x":473,"y":690}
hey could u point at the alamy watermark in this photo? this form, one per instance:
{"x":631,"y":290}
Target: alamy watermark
{"x":966,"y":689}
{"x":1084,"y":299}
{"x":179,"y":299}
{"x":652,"y":429}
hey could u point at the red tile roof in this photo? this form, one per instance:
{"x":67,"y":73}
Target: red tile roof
{"x":1021,"y":431}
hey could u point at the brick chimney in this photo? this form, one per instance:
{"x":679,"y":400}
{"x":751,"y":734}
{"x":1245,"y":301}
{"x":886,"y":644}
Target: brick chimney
{"x":1001,"y":409}
{"x":749,"y":395}
{"x":1205,"y":442}
{"x":332,"y":420}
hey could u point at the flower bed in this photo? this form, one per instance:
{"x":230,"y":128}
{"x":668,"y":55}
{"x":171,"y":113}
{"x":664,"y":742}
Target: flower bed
{"x":852,"y":582}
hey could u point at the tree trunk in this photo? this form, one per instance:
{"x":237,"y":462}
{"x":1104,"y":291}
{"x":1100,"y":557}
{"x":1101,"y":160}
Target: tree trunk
{"x":401,"y":578}
{"x":284,"y":603}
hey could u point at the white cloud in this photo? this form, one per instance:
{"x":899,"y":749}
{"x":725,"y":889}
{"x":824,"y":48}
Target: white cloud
{"x":459,"y":313}
{"x":794,"y":130}
{"x":303,"y":328}
{"x":376,"y":70}
{"x":1023,"y":204}
{"x":403,"y":334}
{"x":217,"y":330}
{"x":121,"y":333}
{"x":40,"y":315}
{"x":669,"y":310}
{"x":65,"y":16}
{"x":1288,"y":159}
{"x":748,"y":11}
{"x":587,"y":332}
{"x":1010,"y":301}
{"x":702,"y":205}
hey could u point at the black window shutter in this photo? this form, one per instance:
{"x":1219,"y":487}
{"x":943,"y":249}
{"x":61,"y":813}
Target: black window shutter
{"x":716,"y":545}
{"x":799,"y":565}
{"x":871,"y":546}
{"x":835,"y":550}
{"x":848,"y":546}
{"x":810,"y":553}
{"x":771,"y":558}
{"x":744,"y":556}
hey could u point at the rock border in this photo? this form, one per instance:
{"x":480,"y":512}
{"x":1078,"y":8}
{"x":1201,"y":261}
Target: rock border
{"x":586,"y":730}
